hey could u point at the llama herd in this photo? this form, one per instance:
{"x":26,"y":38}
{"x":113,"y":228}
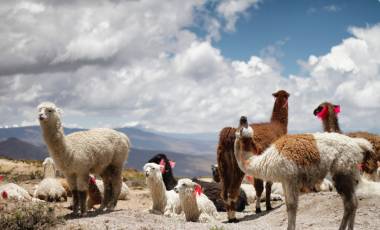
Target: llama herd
{"x":289,"y":164}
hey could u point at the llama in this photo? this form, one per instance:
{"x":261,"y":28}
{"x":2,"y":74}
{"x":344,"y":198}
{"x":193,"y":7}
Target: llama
{"x":230,"y":174}
{"x":328,"y":113}
{"x":98,"y":151}
{"x":11,"y":191}
{"x":193,"y":202}
{"x":167,"y":171}
{"x":164,"y":202}
{"x":304,"y":159}
{"x":211,"y":189}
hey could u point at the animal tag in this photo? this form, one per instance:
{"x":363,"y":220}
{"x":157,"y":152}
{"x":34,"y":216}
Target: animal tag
{"x":198,"y":190}
{"x":1,"y":178}
{"x":337,"y":109}
{"x":4,"y":195}
{"x":172,"y":164}
{"x":162,"y":164}
{"x":360,"y":166}
{"x":322,"y":115}
{"x":92,"y":180}
{"x":249,"y":178}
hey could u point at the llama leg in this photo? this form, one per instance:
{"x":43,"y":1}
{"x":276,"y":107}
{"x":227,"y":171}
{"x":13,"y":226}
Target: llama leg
{"x":106,"y":176}
{"x":71,"y":180}
{"x":268,"y":191}
{"x":291,"y":200}
{"x":345,"y":186}
{"x":259,"y":187}
{"x":82,"y":183}
{"x":116,"y":183}
{"x":234,"y":191}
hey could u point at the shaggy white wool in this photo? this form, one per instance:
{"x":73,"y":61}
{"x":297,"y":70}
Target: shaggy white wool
{"x":124,"y":193}
{"x":250,"y":192}
{"x":50,"y":189}
{"x":164,"y":202}
{"x":368,"y":188}
{"x":195,"y":206}
{"x":78,"y":154}
{"x":14,"y":192}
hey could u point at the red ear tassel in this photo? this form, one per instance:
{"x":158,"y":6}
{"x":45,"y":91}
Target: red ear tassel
{"x":1,"y":178}
{"x":198,"y":189}
{"x":337,"y":109}
{"x":249,"y":178}
{"x":4,"y":194}
{"x":323,"y":113}
{"x":360,"y":166}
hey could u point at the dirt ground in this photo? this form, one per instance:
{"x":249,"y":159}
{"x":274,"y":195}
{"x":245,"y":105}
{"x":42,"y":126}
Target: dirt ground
{"x":316,"y":211}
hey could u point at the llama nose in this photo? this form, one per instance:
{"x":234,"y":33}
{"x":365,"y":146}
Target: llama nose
{"x":42,"y":117}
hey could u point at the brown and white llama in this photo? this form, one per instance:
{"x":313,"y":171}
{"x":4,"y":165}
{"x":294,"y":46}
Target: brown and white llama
{"x":328,"y":113}
{"x":230,"y":175}
{"x":302,"y":160}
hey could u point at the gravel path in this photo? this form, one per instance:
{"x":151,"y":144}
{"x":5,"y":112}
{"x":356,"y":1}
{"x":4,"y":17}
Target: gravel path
{"x":316,"y":211}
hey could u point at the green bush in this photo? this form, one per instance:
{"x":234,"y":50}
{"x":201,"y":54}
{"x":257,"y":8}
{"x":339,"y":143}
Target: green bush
{"x":27,"y":215}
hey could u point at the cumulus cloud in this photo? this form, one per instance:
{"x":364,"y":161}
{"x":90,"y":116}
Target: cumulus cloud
{"x":137,"y":63}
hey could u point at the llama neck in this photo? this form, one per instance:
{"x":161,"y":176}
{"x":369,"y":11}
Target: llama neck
{"x":330,"y":123}
{"x":280,"y":114}
{"x":49,"y":171}
{"x":190,"y":206}
{"x":249,"y":163}
{"x":158,"y":191}
{"x":56,"y":142}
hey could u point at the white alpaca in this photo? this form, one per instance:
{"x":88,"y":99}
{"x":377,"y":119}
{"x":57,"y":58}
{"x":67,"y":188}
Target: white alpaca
{"x":164,"y":202}
{"x":98,"y":151}
{"x":12,"y":191}
{"x":250,"y":192}
{"x":49,"y":168}
{"x":195,"y":204}
{"x":302,"y":160}
{"x":124,"y":193}
{"x":50,"y":189}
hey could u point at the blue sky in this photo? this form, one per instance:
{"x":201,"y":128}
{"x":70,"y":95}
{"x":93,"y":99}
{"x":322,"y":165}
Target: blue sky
{"x":297,"y":28}
{"x":189,"y":66}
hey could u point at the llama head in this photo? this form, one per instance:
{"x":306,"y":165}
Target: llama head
{"x":162,"y":159}
{"x":370,"y":164}
{"x":152,"y":171}
{"x":48,"y":112}
{"x":215,"y":173}
{"x":326,"y":109}
{"x":188,"y":187}
{"x":281,"y":98}
{"x":244,"y":135}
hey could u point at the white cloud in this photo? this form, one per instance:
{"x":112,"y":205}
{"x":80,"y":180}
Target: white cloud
{"x":140,"y":65}
{"x":232,"y":9}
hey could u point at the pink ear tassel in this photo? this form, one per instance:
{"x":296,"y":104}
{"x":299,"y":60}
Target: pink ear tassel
{"x":1,"y":178}
{"x":162,"y":164}
{"x":172,"y":164}
{"x":249,"y":178}
{"x":337,"y":109}
{"x":4,"y":194}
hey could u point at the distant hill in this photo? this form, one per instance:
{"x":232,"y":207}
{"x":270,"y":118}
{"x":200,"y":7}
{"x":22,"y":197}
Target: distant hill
{"x":187,"y":165}
{"x":140,"y":139}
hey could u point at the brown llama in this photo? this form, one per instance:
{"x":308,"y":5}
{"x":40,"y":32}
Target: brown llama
{"x":328,"y":113}
{"x":265,"y":133}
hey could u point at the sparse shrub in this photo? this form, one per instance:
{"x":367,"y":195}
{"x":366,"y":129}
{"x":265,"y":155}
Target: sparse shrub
{"x":134,"y":178}
{"x":27,"y":215}
{"x":217,"y":228}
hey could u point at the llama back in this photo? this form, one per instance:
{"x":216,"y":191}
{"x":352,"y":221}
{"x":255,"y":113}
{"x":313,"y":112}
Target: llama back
{"x":107,"y":142}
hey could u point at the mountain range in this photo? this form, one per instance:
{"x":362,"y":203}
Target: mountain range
{"x":192,"y":155}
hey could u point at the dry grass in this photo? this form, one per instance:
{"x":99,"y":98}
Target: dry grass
{"x":134,"y":178}
{"x":27,"y":215}
{"x":20,"y":170}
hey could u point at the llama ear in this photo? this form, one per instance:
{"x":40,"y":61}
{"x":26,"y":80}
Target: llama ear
{"x":337,"y":109}
{"x":59,"y":111}
{"x":275,"y":94}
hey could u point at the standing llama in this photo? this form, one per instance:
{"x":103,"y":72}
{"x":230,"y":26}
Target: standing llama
{"x":302,"y":160}
{"x":97,"y":151}
{"x":328,"y":113}
{"x":230,"y":175}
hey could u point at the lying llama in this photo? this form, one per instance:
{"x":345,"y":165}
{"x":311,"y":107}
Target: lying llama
{"x":11,"y":191}
{"x":96,"y":192}
{"x":50,"y":188}
{"x":98,"y":151}
{"x":303,"y":159}
{"x":328,"y":113}
{"x":194,"y":203}
{"x":211,"y":189}
{"x":266,"y":133}
{"x":164,"y":202}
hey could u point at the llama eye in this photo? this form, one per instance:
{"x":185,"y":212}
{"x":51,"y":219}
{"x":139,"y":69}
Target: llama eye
{"x":50,"y":110}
